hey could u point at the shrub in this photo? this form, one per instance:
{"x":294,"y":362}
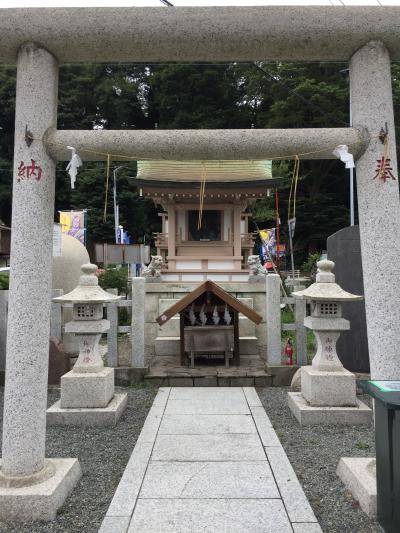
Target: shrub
{"x":4,"y":280}
{"x":311,"y":261}
{"x":113,"y":278}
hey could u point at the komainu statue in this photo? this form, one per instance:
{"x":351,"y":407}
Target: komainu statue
{"x":153,"y":270}
{"x":257,"y":272}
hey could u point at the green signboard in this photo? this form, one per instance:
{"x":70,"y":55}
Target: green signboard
{"x":387,"y":386}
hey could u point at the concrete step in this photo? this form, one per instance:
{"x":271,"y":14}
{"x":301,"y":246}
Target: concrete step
{"x":209,"y":381}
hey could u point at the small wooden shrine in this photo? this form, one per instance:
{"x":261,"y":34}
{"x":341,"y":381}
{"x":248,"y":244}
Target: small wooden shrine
{"x":205,"y":230}
{"x":209,"y":323}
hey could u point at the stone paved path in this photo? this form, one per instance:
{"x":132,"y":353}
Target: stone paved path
{"x":208,"y":460}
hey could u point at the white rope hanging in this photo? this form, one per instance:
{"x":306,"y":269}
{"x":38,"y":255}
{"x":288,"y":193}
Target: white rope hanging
{"x":342,"y":152}
{"x":73,"y":166}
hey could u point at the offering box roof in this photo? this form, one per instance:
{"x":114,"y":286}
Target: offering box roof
{"x":209,"y":286}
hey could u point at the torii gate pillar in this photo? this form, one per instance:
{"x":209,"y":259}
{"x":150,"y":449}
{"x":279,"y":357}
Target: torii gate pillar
{"x":31,"y":487}
{"x":378,"y":208}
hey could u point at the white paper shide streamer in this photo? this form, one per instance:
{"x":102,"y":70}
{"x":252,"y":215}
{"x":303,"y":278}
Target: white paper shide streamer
{"x":227,"y":316}
{"x":192,"y":315}
{"x":216,"y":316}
{"x":342,"y":152}
{"x":203,"y":315}
{"x":73,"y":166}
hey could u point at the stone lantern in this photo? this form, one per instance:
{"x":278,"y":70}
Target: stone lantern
{"x":328,"y":390}
{"x":89,"y":387}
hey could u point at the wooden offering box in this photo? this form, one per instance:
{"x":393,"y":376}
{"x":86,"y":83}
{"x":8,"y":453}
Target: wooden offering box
{"x":209,"y":340}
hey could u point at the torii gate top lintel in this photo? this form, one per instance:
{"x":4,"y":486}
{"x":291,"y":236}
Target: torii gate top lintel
{"x":134,"y":34}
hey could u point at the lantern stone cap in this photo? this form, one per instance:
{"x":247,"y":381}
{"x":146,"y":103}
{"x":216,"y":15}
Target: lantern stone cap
{"x":88,"y":289}
{"x":325,"y":288}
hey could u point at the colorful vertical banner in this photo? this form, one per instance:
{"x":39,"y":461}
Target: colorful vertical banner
{"x":74,"y":223}
{"x":268,"y":243}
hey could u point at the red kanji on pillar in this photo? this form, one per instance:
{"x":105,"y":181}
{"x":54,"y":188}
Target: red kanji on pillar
{"x":29,"y":171}
{"x":383,"y":169}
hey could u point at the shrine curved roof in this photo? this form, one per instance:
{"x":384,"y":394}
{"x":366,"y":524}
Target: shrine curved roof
{"x":211,"y":171}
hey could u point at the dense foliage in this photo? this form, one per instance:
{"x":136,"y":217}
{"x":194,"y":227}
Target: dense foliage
{"x":114,"y":278}
{"x":277,"y":95}
{"x":4,"y":280}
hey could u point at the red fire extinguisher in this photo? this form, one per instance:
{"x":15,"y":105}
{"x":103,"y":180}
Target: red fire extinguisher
{"x":288,"y":353}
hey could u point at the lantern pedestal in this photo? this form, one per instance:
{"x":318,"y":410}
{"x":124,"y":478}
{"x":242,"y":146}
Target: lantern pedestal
{"x":87,"y":390}
{"x":87,"y":399}
{"x":328,"y":389}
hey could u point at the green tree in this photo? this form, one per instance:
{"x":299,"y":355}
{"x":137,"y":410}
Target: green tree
{"x":7,"y":105}
{"x":196,"y":96}
{"x":237,"y":95}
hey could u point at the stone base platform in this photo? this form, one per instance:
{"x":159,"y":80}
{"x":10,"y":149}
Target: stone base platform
{"x":166,"y":371}
{"x":41,"y":501}
{"x":282,"y":375}
{"x":359,"y":476}
{"x":96,"y":416}
{"x":308,"y":415}
{"x":128,"y":375}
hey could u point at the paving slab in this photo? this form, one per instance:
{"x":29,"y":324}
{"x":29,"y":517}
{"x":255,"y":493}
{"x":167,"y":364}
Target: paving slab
{"x":296,"y":503}
{"x":209,"y":460}
{"x":231,"y":447}
{"x":306,"y":527}
{"x":198,"y":479}
{"x":187,"y":393}
{"x":115,"y":524}
{"x":208,"y":406}
{"x":252,"y":397}
{"x":206,"y":424}
{"x":211,"y":516}
{"x":264,"y":427}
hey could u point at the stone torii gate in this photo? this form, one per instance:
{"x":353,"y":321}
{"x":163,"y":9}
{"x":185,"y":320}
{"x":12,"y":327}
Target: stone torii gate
{"x":38,"y":40}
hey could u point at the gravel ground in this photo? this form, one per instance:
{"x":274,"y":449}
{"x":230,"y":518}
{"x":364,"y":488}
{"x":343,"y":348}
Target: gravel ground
{"x":103,"y":454}
{"x":314,"y":453}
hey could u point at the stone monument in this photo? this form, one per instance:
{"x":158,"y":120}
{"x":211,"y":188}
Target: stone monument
{"x":328,"y":390}
{"x":87,"y":391}
{"x":344,"y":248}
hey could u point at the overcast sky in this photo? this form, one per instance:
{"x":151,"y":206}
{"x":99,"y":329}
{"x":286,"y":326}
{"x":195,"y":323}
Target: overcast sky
{"x":177,"y":3}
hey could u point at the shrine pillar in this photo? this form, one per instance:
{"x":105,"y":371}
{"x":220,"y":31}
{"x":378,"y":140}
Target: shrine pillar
{"x":237,"y":238}
{"x":24,"y":427}
{"x":171,"y":235}
{"x":378,"y":207}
